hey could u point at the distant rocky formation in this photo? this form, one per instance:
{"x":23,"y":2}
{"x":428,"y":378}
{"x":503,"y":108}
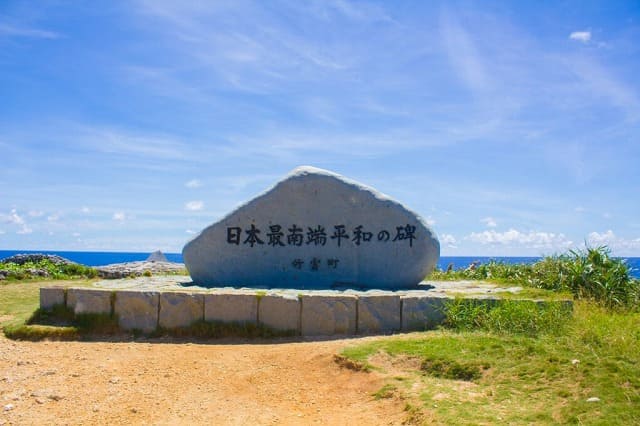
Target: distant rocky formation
{"x":157,"y":256}
{"x":21,"y":259}
{"x":136,"y":269}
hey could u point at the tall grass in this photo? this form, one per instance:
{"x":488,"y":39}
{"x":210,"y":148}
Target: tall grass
{"x":591,"y":274}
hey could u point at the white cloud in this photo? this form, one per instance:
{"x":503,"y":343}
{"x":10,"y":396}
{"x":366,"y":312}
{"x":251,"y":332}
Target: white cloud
{"x":36,"y":213}
{"x":194,"y":205}
{"x":14,"y":218}
{"x":1,"y":232}
{"x":119,"y":216}
{"x":606,"y":215}
{"x":190,"y":231}
{"x":583,"y":36}
{"x":76,"y":234}
{"x":15,"y":31}
{"x":513,"y":237}
{"x":579,"y":209}
{"x":85,"y":210}
{"x":53,"y":218}
{"x":193,"y":183}
{"x":618,"y":245}
{"x":489,"y":221}
{"x":430,"y":221}
{"x":448,"y":240}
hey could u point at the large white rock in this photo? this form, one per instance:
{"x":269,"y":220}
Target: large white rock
{"x":378,"y":313}
{"x":421,"y":313}
{"x":315,"y":229}
{"x":86,"y":301}
{"x":51,"y":296}
{"x":238,"y":308}
{"x":180,"y":309}
{"x":279,"y":312}
{"x":137,"y":310}
{"x":328,"y":315}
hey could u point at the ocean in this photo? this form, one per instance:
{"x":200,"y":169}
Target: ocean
{"x":91,"y":258}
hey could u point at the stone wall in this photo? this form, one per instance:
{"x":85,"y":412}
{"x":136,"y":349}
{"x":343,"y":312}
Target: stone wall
{"x":306,"y":314}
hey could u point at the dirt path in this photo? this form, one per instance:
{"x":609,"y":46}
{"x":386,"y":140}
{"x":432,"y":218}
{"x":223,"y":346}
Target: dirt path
{"x":186,"y":383}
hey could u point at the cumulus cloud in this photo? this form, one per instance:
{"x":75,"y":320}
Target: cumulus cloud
{"x":430,"y":221}
{"x":85,"y":210}
{"x":193,"y":183}
{"x":615,"y":243}
{"x":582,"y":36}
{"x":119,"y":216}
{"x":513,"y":237}
{"x":14,"y":218}
{"x":448,"y":240}
{"x":194,"y":205}
{"x":190,"y":231}
{"x":489,"y":221}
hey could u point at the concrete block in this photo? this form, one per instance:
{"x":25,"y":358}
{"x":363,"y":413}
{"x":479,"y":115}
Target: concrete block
{"x":239,"y":308}
{"x":89,"y":301}
{"x":137,"y":310}
{"x":51,"y":296}
{"x":378,"y":313}
{"x":328,"y":315}
{"x":422,"y":312}
{"x":280,"y":312}
{"x":180,"y":309}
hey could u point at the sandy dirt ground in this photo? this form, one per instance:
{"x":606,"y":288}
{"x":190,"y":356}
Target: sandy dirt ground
{"x":174,"y":382}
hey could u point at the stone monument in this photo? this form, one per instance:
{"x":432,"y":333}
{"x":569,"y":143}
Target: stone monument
{"x":315,"y":230}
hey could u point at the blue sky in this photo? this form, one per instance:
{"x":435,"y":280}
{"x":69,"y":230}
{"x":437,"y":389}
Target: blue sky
{"x":512,"y":127}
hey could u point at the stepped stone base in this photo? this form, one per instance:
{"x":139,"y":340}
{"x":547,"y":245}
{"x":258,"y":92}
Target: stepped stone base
{"x":149,"y":304}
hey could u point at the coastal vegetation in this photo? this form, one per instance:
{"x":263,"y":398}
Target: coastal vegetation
{"x":523,"y":363}
{"x":45,"y":268}
{"x":591,"y":274}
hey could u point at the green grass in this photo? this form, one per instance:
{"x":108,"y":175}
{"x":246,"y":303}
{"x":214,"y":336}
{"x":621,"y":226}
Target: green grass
{"x":591,"y":274}
{"x":507,"y":316}
{"x":480,"y":377}
{"x":30,"y":270}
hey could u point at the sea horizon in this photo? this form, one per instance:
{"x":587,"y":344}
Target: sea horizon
{"x":101,"y":258}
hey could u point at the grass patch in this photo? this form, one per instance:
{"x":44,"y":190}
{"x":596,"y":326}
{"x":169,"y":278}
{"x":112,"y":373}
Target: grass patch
{"x":519,"y":379}
{"x":507,"y":316}
{"x":451,"y":369}
{"x":385,"y":392}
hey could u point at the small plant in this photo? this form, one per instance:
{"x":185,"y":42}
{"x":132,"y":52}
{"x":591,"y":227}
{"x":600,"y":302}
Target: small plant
{"x":452,"y":370}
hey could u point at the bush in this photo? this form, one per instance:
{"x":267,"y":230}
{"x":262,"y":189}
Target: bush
{"x":591,"y":274}
{"x":45,"y":268}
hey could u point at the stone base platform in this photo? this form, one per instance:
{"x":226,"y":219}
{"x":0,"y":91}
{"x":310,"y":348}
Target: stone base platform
{"x":149,"y":303}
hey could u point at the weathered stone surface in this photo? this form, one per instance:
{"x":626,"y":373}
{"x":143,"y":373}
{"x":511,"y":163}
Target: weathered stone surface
{"x":240,"y":308}
{"x":136,"y":269}
{"x":180,"y":309}
{"x":378,"y":313}
{"x":137,"y":310}
{"x":280,"y":312}
{"x":422,"y":312}
{"x":51,"y":296}
{"x":315,"y":229}
{"x":87,"y":301}
{"x":328,"y":315}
